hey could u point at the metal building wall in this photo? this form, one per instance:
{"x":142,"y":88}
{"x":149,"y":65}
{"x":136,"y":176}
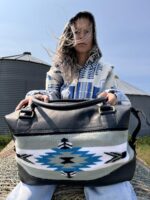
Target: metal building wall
{"x":16,"y":79}
{"x":141,"y":103}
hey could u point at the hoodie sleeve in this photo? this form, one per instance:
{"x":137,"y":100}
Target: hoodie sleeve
{"x":110,"y":86}
{"x":54,"y":81}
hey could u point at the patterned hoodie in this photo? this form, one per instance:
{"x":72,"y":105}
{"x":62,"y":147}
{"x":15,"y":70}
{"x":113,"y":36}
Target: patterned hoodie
{"x":93,"y":78}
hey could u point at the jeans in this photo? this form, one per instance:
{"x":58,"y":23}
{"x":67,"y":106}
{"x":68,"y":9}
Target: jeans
{"x":119,"y":191}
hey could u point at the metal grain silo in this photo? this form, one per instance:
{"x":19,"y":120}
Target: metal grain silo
{"x":18,"y":75}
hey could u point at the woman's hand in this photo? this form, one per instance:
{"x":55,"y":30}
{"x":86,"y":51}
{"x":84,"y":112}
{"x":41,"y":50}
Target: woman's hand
{"x":28,"y":100}
{"x":112,"y":99}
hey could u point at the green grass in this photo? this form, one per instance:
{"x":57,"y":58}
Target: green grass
{"x":142,"y":146}
{"x":4,"y":140}
{"x":143,"y":149}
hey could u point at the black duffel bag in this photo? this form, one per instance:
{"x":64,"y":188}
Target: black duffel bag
{"x":74,"y":142}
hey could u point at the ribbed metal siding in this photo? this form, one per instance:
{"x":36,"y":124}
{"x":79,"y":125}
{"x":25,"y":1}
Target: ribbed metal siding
{"x":16,"y":79}
{"x":141,"y":103}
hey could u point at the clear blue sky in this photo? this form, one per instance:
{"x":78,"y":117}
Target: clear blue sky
{"x":123,"y":31}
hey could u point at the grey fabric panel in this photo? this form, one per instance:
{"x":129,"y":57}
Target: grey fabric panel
{"x":91,"y":139}
{"x":88,"y":175}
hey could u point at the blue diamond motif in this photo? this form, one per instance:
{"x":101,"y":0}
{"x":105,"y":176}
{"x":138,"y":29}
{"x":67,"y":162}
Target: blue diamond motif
{"x":69,"y":157}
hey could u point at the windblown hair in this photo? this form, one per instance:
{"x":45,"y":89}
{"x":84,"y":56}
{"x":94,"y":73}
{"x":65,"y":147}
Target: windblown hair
{"x":65,"y":58}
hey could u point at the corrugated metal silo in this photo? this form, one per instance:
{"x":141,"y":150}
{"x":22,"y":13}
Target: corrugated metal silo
{"x":18,"y":75}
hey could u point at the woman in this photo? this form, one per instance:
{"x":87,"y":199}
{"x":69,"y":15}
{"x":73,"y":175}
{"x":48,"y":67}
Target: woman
{"x":77,"y":73}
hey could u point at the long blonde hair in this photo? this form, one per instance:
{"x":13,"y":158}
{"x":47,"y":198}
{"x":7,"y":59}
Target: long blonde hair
{"x":65,"y":58}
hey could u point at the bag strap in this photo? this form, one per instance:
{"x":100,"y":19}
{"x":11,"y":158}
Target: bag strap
{"x":137,"y":128}
{"x":68,"y":104}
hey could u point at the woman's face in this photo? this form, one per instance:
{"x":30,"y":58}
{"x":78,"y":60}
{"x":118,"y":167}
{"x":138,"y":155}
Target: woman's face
{"x":83,"y":35}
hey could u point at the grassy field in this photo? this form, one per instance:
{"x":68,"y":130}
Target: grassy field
{"x":142,"y":147}
{"x":4,"y":140}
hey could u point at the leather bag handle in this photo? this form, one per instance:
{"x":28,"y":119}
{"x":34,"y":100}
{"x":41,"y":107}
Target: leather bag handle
{"x":68,"y":104}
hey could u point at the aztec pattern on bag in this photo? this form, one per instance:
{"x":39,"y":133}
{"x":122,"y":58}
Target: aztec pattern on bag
{"x":80,"y":146}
